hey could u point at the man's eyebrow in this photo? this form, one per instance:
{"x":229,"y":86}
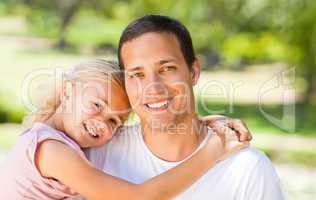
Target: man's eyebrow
{"x":161,"y":62}
{"x":134,"y":68}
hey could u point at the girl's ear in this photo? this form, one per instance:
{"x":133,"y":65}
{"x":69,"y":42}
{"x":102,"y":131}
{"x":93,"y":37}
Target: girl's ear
{"x":66,"y":96}
{"x":67,"y":90}
{"x":195,"y":70}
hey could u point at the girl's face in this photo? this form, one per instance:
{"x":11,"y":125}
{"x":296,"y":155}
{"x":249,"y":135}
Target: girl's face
{"x":92,"y":111}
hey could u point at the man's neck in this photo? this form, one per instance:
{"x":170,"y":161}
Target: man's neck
{"x":176,"y":142}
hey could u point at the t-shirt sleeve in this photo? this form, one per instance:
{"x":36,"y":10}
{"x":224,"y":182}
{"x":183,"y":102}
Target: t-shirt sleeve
{"x":41,"y":135}
{"x":264,"y":183}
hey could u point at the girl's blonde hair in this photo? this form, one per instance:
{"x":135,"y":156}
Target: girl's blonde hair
{"x":97,"y":69}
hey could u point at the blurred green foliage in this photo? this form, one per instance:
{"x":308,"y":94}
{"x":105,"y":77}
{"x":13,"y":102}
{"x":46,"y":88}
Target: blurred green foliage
{"x":307,"y":158}
{"x":236,"y":29}
{"x":224,"y":26}
{"x":9,"y":111}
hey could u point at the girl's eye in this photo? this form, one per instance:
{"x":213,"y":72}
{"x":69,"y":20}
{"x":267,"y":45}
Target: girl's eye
{"x":136,"y":75}
{"x":98,"y":106}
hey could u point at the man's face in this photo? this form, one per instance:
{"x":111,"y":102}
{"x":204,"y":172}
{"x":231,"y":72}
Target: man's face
{"x":158,"y":80}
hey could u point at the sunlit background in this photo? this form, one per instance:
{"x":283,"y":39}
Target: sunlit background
{"x":258,"y":56}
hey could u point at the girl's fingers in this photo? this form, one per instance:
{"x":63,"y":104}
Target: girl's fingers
{"x":238,"y":126}
{"x":210,"y":120}
{"x":241,"y":128}
{"x":224,"y":131}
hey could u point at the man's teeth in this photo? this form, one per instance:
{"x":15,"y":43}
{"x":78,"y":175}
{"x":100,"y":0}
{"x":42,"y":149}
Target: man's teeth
{"x":157,"y":105}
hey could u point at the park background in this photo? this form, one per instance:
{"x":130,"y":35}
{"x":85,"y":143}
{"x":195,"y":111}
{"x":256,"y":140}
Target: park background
{"x":258,"y":58}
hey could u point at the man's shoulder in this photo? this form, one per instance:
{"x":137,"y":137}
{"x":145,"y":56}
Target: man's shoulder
{"x":250,"y":154}
{"x":256,"y":172}
{"x":248,"y":165}
{"x":249,"y":160}
{"x":252,"y":162}
{"x":245,"y":175}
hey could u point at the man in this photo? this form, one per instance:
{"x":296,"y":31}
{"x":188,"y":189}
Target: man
{"x":161,"y":68}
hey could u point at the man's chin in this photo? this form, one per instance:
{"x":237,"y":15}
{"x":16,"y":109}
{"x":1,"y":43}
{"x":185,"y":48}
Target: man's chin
{"x":161,"y":122}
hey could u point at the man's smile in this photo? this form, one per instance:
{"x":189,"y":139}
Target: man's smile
{"x":159,"y":105}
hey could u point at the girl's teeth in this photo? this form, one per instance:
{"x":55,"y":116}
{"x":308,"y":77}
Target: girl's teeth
{"x":92,"y":131}
{"x":100,"y":126}
{"x":95,"y":128}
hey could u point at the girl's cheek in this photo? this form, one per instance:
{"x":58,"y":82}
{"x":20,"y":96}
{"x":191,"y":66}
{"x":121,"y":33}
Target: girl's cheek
{"x":108,"y":130}
{"x":90,"y":111}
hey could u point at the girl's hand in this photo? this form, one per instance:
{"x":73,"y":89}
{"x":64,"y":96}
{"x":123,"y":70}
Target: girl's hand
{"x":224,"y":141}
{"x":237,"y":125}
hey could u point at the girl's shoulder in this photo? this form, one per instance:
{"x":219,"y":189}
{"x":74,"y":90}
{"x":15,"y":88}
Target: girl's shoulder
{"x":29,"y":141}
{"x":20,"y":168}
{"x":40,"y":132}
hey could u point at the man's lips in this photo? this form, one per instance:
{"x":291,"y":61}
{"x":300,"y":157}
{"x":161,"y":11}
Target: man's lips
{"x":158,"y":105}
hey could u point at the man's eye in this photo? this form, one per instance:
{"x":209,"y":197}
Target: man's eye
{"x":136,"y":75}
{"x":169,"y":68}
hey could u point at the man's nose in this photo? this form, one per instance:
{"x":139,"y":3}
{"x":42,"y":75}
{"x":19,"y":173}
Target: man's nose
{"x":154,"y":86}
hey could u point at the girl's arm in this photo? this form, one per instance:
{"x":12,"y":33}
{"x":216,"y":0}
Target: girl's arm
{"x":55,"y":159}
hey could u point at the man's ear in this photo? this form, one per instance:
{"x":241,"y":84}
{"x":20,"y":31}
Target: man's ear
{"x":195,"y":71}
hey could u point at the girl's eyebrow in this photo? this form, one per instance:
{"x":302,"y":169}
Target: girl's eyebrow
{"x":102,"y":95}
{"x":105,"y":102}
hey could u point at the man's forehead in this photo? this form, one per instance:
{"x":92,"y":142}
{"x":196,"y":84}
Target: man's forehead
{"x":154,"y":36}
{"x":153,"y":39}
{"x":140,"y":53}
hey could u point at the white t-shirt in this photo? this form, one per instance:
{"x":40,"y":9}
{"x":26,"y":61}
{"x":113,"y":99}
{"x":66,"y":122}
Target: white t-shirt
{"x":248,"y":174}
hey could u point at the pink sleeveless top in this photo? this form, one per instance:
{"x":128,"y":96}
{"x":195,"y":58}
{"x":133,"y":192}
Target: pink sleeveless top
{"x":19,"y":177}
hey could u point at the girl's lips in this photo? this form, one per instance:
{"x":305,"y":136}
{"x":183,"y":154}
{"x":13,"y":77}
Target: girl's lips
{"x":94,"y":128}
{"x":89,"y":131}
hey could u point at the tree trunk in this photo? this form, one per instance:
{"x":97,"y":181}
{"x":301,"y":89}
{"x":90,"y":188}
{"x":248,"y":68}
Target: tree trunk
{"x":309,"y":74}
{"x":68,"y":14}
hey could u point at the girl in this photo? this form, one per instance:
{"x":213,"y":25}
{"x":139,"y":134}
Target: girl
{"x":47,"y":162}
